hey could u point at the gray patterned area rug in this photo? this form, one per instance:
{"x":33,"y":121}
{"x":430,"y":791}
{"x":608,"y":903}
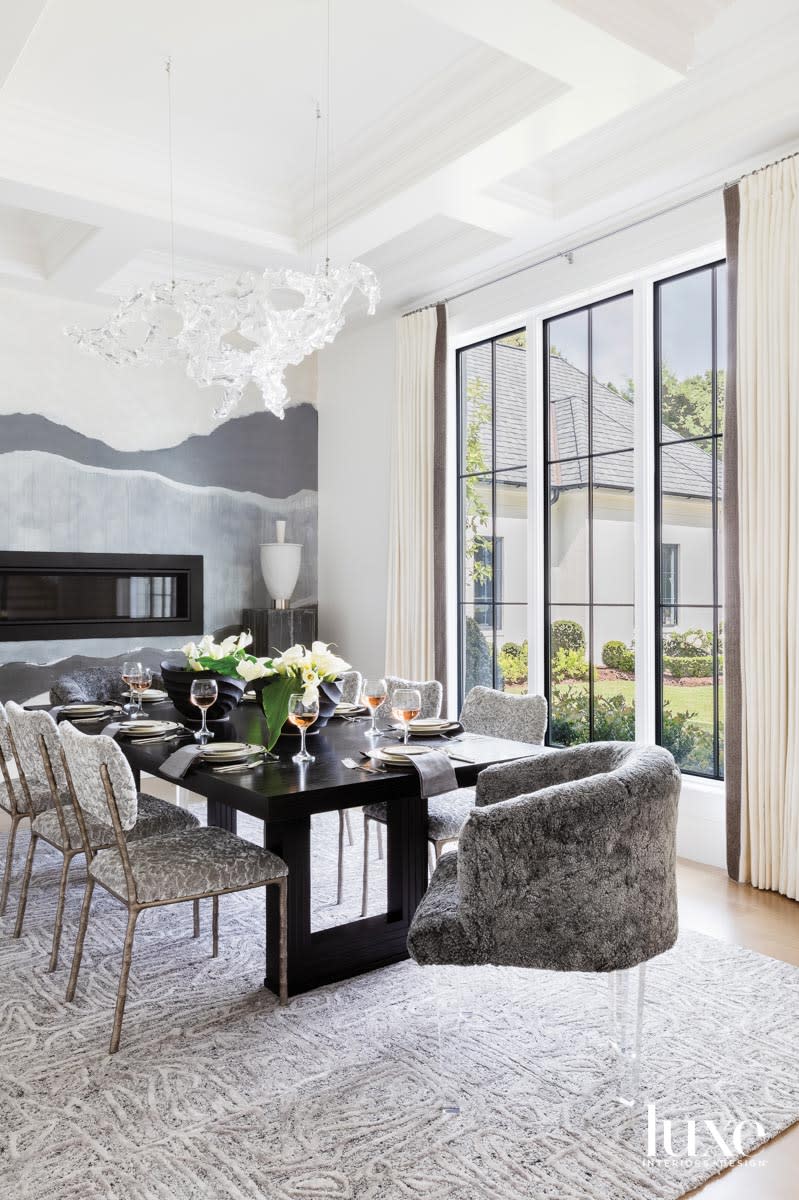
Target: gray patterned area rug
{"x":218,"y":1094}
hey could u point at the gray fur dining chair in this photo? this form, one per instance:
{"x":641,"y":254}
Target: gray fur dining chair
{"x":156,"y":871}
{"x":41,"y":764}
{"x":87,"y":684}
{"x":566,"y":863}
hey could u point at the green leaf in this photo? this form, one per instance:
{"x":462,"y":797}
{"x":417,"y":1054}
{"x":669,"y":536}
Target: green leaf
{"x":275,"y":703}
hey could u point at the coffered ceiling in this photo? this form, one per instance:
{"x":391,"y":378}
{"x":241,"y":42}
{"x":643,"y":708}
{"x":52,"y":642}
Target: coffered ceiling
{"x":464,"y":136}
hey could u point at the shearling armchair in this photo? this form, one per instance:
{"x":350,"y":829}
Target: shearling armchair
{"x":566,"y":864}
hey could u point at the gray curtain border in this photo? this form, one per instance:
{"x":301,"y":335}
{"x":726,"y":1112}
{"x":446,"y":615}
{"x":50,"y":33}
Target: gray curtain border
{"x":732,"y":579}
{"x":440,"y":499}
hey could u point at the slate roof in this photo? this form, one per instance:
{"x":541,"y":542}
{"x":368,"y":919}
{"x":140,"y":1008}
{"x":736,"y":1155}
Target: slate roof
{"x":686,"y":469}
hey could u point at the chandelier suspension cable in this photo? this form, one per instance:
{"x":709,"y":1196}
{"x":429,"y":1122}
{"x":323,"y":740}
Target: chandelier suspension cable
{"x":328,"y":124}
{"x":314,"y":185}
{"x":168,"y":67}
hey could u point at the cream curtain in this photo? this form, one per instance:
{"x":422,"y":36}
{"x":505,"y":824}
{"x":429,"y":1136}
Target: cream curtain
{"x":410,"y":614}
{"x":768,"y":524}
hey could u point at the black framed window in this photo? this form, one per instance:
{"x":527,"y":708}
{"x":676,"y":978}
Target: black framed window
{"x":589,"y":586}
{"x":670,"y":582}
{"x":492,"y":513}
{"x":690,"y":352}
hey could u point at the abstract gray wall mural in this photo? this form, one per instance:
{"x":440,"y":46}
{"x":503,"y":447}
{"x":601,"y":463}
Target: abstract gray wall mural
{"x":171,"y":482}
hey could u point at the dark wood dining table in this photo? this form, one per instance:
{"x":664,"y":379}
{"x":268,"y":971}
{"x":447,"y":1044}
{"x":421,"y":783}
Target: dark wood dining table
{"x":285,"y":796}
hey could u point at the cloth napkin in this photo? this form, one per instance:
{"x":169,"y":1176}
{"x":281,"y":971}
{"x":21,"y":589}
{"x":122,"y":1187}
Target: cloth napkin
{"x":177,"y":765}
{"x":436,"y":773}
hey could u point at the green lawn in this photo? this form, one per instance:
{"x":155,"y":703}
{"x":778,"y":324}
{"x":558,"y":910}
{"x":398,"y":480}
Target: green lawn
{"x":697,"y":700}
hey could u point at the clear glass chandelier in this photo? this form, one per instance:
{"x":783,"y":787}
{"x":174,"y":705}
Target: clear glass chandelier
{"x":228,"y":332}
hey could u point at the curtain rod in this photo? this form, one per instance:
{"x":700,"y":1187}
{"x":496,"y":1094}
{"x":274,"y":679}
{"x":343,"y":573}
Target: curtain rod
{"x":568,"y":253}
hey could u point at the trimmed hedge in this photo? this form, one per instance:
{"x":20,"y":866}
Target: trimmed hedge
{"x":694,"y":667}
{"x":619,"y":657}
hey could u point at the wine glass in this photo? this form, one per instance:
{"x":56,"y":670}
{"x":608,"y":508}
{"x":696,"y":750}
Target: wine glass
{"x":129,"y":669}
{"x":138,"y":683}
{"x":373,"y":695}
{"x":203,"y":694}
{"x":406,"y":703}
{"x":302,"y":714}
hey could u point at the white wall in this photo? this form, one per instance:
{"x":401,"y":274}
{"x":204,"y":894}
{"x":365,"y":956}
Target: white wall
{"x":355,"y":399}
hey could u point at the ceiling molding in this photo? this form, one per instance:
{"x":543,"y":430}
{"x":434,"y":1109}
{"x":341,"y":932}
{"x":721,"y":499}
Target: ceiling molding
{"x":462,"y":107}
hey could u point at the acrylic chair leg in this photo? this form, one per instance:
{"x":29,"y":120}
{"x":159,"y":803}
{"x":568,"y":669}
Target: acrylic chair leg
{"x":196,"y":918}
{"x":12,"y":837}
{"x":431,"y":858}
{"x":215,"y":927}
{"x":348,"y":823}
{"x":448,"y":1017}
{"x":122,"y":991}
{"x":78,"y":953}
{"x":627,"y":997}
{"x":439,"y":847}
{"x":26,"y":878}
{"x":59,"y":912}
{"x":284,"y":943}
{"x":365,"y":886}
{"x":379,"y":839}
{"x":340,"y":881}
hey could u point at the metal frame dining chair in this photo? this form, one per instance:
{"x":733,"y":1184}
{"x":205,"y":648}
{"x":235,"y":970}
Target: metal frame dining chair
{"x":21,"y":801}
{"x":36,"y":737}
{"x":154,"y":872}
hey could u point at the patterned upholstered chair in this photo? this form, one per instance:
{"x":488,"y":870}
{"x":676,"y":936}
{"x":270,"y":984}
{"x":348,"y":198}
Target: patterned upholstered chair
{"x":504,"y":715}
{"x":151,"y":872}
{"x":20,"y":799}
{"x":431,"y":691}
{"x":567,"y":863}
{"x":85,"y":684}
{"x":36,"y":737}
{"x":496,"y":714}
{"x":351,"y":686}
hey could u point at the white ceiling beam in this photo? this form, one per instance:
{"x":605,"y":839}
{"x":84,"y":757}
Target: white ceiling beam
{"x":555,"y":41}
{"x":19,"y":19}
{"x":448,"y":189}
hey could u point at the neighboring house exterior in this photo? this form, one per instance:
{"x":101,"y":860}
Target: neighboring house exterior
{"x":687,"y":478}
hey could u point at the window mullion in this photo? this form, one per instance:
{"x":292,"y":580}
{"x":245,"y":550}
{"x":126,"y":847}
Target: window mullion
{"x":645,"y":616}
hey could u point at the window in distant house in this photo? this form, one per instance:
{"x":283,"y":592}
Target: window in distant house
{"x":492,"y":513}
{"x":669,"y":580}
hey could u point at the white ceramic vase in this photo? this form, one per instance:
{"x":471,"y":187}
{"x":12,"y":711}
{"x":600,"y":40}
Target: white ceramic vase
{"x":280,"y":566}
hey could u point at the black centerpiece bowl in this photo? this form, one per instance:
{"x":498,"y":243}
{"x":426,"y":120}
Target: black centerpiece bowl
{"x":177,"y":685}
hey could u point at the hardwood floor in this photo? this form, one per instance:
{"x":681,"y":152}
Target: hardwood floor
{"x":769,"y":924}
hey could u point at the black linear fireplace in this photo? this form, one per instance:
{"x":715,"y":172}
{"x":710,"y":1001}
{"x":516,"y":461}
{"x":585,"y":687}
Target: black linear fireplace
{"x":46,"y":596}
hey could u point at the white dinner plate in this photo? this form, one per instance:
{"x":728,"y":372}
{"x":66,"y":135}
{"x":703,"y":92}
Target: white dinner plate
{"x":145,"y":728}
{"x":250,"y":697}
{"x":229,"y":751}
{"x":424,"y":728}
{"x":86,"y":710}
{"x":399,"y":756}
{"x":349,"y":710}
{"x":151,"y":696}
